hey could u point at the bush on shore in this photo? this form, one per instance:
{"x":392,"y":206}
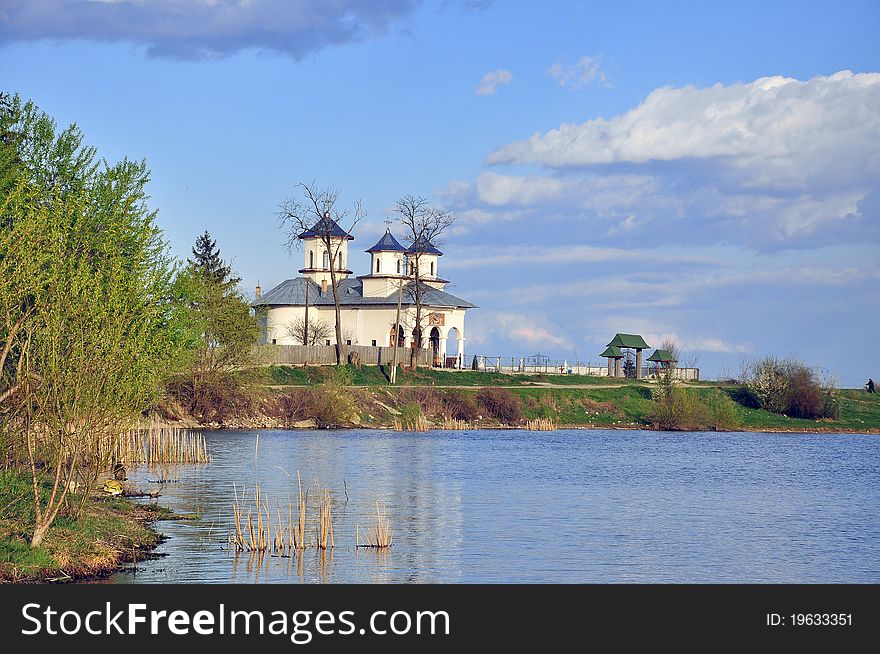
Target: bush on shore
{"x":500,"y":403}
{"x":788,"y":387}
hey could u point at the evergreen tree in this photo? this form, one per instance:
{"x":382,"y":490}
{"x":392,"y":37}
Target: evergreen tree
{"x":209,"y":265}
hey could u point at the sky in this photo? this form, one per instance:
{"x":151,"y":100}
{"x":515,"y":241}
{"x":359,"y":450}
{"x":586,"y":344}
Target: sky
{"x":706,"y":172}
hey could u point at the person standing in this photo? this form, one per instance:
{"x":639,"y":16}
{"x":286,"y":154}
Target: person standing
{"x":870,"y":385}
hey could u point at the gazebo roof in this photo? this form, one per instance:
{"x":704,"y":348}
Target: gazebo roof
{"x":629,"y":340}
{"x":662,"y":356}
{"x":612,"y":352}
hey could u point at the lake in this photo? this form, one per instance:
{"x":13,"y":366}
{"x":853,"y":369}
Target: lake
{"x":517,"y":506}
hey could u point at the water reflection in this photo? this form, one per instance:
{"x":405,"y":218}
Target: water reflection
{"x":512,"y":506}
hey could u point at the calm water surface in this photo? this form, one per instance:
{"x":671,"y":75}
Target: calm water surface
{"x":564,"y":506}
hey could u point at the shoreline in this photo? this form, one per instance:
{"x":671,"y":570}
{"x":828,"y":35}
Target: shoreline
{"x":114,"y":533}
{"x":270,"y":425}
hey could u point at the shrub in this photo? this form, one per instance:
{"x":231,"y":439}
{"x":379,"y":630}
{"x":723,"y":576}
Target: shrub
{"x":830,"y":403}
{"x":769,"y":383}
{"x":294,"y":406}
{"x":804,"y":394}
{"x":725,"y":414}
{"x":460,"y":405}
{"x":500,"y":403}
{"x":426,"y":398}
{"x":789,"y":387}
{"x":677,"y":408}
{"x":215,"y":398}
{"x":332,"y":402}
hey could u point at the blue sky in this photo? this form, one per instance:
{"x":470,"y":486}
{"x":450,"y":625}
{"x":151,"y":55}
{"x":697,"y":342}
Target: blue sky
{"x":706,"y":171}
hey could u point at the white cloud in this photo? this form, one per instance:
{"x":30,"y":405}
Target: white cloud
{"x":520,"y":330}
{"x":779,"y":122}
{"x":775,"y":163}
{"x":576,"y":77}
{"x":503,"y":255}
{"x":506,"y":189}
{"x":492,"y":81}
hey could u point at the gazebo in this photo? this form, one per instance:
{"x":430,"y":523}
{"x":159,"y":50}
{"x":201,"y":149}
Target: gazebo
{"x":634,"y":342}
{"x":663,"y":358}
{"x":612,"y":352}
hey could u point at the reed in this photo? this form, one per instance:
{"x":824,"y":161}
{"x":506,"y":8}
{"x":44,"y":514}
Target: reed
{"x":382,"y":537}
{"x":452,"y":424}
{"x":325,"y":522}
{"x":419,"y":423}
{"x":253,"y":529}
{"x":155,"y":444}
{"x":540,"y":424}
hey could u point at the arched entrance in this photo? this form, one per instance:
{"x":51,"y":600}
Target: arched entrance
{"x":401,"y":337}
{"x":453,"y":349}
{"x":434,"y":340}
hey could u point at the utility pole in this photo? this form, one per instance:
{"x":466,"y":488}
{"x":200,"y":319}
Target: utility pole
{"x":306,"y":326}
{"x":393,"y":376}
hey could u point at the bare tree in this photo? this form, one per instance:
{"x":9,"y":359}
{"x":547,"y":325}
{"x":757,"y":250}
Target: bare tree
{"x":317,"y":332}
{"x":318,"y":215}
{"x":422,"y":225}
{"x":683,"y":359}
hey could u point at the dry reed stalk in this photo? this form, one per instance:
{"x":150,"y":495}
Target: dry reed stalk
{"x":382,"y":537}
{"x":156,"y":444}
{"x":452,"y":424}
{"x":299,"y":532}
{"x":238,"y":539}
{"x":325,"y":523}
{"x":259,"y":534}
{"x":419,"y":423}
{"x":541,"y":424}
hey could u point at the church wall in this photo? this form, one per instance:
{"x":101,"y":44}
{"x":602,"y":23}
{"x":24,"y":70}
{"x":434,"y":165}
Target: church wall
{"x":363,"y":325}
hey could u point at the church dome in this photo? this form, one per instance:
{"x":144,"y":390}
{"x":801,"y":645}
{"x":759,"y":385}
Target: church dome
{"x":387,"y":244}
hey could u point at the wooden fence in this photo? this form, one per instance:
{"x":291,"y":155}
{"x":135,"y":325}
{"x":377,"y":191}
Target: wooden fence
{"x":325,"y":355}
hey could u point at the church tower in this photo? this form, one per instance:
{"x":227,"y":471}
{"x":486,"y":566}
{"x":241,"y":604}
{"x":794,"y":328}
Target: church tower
{"x":318,"y":259}
{"x":387,"y":266}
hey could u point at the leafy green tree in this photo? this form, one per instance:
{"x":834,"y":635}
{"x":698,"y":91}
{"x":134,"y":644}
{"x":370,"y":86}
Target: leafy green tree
{"x":226,"y":330}
{"x":89,"y":326}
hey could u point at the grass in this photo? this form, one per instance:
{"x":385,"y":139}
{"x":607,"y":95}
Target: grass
{"x":110,"y":530}
{"x":631,"y":405}
{"x":378,"y":376}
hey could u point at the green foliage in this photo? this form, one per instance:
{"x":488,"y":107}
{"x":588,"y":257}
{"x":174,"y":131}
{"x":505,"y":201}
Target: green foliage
{"x":85,"y":296}
{"x":217,"y":324}
{"x":676,"y":407}
{"x":207,"y":263}
{"x":332,"y":403}
{"x":726,"y":415}
{"x":790,"y":388}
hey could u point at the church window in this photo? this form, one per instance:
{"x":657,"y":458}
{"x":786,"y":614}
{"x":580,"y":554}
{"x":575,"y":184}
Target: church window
{"x":326,"y":259}
{"x":398,"y":266}
{"x":377,"y":264}
{"x":432,"y":269}
{"x":339,"y":260}
{"x":311,"y":258}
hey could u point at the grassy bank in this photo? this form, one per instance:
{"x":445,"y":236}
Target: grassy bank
{"x":378,"y":376}
{"x":624,"y":406}
{"x":109,"y":531}
{"x":288,"y":397}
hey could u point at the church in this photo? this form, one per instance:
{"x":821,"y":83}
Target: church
{"x":368,"y":303}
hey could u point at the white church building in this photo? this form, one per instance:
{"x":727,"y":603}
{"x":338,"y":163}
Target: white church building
{"x":368,"y":303}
